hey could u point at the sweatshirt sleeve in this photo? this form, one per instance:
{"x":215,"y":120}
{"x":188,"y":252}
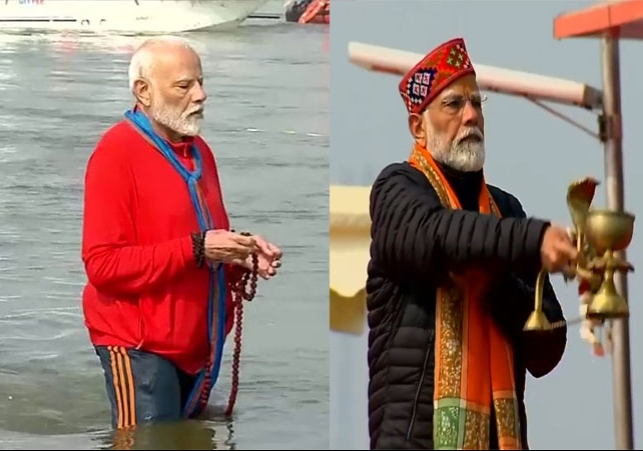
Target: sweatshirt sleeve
{"x":415,"y":240}
{"x":114,"y":264}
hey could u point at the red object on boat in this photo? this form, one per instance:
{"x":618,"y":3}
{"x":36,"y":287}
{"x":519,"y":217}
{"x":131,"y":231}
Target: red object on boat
{"x":317,"y":12}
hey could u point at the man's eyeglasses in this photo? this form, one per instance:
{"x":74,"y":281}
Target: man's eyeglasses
{"x":454,"y":104}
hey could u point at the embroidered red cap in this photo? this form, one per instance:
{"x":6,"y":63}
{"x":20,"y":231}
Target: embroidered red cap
{"x":437,"y":70}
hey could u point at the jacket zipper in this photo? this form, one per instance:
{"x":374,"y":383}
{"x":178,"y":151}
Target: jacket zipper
{"x":427,"y":355}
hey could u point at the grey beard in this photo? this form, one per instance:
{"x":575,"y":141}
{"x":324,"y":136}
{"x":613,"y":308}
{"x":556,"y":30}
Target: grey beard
{"x":469,"y":157}
{"x":176,"y":123}
{"x":464,"y":157}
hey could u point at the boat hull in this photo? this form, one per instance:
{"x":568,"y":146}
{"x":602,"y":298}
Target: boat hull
{"x":125,"y":16}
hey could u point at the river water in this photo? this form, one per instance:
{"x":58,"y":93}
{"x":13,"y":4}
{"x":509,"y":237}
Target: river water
{"x":267,"y":121}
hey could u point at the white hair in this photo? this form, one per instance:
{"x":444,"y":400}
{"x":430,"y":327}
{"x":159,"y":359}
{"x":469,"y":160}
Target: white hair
{"x":142,"y":62}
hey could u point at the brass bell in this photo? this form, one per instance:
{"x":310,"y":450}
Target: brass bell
{"x":537,"y":319}
{"x":607,"y":303}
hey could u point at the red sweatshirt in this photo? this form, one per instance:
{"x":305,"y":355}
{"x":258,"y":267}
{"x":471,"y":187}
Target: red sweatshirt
{"x":144,"y":289}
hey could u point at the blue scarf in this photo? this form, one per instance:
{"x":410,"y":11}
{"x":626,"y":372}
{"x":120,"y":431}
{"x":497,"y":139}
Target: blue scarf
{"x":142,"y":123}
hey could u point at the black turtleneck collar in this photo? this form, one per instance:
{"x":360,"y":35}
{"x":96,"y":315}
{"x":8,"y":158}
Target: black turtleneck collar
{"x":466,"y":185}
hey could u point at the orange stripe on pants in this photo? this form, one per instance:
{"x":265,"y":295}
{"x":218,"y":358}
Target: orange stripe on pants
{"x":123,"y":381}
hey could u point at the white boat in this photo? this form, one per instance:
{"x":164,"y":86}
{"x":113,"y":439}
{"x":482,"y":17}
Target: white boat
{"x":124,"y":16}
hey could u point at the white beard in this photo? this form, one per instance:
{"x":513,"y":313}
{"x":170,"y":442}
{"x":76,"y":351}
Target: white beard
{"x":182,"y":123}
{"x":468,"y":156}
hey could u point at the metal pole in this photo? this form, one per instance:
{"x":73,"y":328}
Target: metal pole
{"x":624,"y":435}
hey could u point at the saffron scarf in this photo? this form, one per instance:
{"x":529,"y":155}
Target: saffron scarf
{"x":208,"y":376}
{"x":474,"y":369}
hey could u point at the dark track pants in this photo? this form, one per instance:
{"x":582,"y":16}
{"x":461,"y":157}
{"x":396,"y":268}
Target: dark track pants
{"x":143,"y":387}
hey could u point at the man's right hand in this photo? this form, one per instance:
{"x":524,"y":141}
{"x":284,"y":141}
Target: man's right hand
{"x":224,"y":246}
{"x":557,"y":251}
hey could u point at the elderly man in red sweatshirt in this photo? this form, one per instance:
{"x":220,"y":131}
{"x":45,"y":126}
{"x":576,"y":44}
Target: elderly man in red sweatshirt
{"x":157,"y":247}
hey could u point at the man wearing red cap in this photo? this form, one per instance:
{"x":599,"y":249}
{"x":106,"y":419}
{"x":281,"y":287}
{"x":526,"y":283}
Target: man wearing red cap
{"x":451,"y":279}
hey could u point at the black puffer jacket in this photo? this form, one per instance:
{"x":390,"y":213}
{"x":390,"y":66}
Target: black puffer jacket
{"x":414,"y":242}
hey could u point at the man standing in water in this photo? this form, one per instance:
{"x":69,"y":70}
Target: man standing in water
{"x":157,"y":247}
{"x":451,"y":279}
